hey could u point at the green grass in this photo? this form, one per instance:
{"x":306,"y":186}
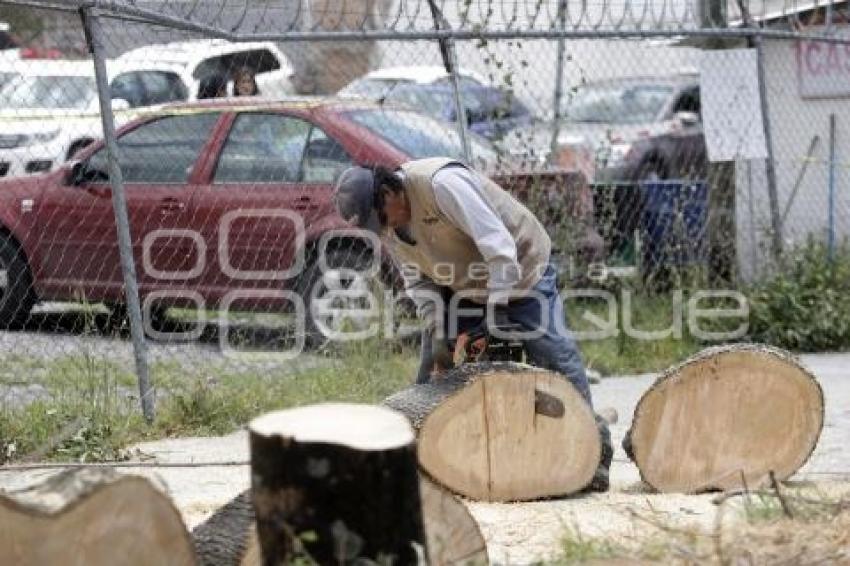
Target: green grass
{"x":92,"y":411}
{"x":624,"y":354}
{"x":576,"y":548}
{"x":762,"y":508}
{"x":89,"y":408}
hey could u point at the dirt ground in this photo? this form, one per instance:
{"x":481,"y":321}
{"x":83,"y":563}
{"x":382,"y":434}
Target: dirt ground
{"x":525,"y":532}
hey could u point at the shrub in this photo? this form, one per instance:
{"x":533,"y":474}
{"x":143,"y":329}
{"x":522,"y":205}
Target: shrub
{"x":806,"y":305}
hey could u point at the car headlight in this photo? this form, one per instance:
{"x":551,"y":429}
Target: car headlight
{"x":40,"y":137}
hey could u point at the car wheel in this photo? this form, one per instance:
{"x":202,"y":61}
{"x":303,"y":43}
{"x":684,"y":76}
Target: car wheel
{"x":342,"y":300}
{"x":16,"y":293}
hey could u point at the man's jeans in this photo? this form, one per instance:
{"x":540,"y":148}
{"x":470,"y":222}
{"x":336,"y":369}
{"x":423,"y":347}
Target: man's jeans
{"x":553,"y":346}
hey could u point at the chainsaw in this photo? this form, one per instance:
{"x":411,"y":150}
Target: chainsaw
{"x":480,"y":347}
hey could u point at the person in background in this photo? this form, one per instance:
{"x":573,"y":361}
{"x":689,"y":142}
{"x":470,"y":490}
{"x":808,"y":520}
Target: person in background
{"x":245,"y":83}
{"x":212,"y":86}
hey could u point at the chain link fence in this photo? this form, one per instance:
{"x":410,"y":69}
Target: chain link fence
{"x":652,"y":139}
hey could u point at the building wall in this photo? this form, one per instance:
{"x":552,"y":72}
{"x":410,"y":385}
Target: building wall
{"x":795,"y":121}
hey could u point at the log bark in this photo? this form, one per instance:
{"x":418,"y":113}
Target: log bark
{"x":92,"y":517}
{"x":725,"y":419}
{"x":336,"y":483}
{"x":501,"y":431}
{"x":229,"y":537}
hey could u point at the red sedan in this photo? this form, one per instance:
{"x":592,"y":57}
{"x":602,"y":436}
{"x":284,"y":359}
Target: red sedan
{"x":228,"y":204}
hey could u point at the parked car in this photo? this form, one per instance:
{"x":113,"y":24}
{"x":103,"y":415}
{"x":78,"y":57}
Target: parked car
{"x":214,"y":193}
{"x":170,"y":72}
{"x":49,"y":110}
{"x":52,"y":107}
{"x":622,"y":132}
{"x":375,"y":85}
{"x":490,"y":111}
{"x":635,"y":128}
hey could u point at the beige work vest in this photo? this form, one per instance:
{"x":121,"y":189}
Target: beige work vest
{"x":448,"y":255}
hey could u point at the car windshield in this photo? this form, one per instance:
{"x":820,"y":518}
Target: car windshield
{"x":431,"y":101}
{"x":369,"y":88}
{"x":618,"y":104}
{"x":52,"y":92}
{"x":421,"y":136}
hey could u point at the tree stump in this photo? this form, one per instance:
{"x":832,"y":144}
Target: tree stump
{"x":92,"y":517}
{"x":336,"y":483}
{"x":229,"y":537}
{"x":502,"y":431}
{"x":725,"y":419}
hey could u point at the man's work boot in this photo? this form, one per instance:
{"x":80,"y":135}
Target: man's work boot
{"x":600,"y":481}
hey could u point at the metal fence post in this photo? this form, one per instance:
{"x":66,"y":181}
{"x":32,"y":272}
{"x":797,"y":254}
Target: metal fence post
{"x":94,"y":39}
{"x":831,"y":205}
{"x":770,"y":166}
{"x":757,"y":41}
{"x":449,"y":55}
{"x":559,"y":78}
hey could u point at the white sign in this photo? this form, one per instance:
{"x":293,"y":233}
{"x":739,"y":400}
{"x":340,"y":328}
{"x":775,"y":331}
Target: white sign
{"x":731,"y":105}
{"x":823,"y":69}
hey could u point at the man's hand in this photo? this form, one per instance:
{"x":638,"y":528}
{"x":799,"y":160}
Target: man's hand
{"x":434,"y":356}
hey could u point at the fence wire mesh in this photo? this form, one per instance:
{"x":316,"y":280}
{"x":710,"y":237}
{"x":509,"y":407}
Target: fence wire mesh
{"x":237,"y":117}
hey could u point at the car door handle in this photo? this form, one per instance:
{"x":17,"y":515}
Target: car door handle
{"x":168,"y":205}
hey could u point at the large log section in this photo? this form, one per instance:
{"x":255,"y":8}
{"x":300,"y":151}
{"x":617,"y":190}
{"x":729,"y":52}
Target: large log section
{"x":725,"y":419}
{"x":229,"y":537}
{"x":503,"y":431}
{"x":92,"y":517}
{"x":336,"y":483}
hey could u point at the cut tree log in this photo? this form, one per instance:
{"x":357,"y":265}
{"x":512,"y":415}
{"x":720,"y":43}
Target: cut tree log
{"x":92,"y":517}
{"x":724,"y":419}
{"x":502,"y":431}
{"x":336,"y":483}
{"x":229,"y":537}
{"x":452,"y":533}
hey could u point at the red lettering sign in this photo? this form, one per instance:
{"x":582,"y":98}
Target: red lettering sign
{"x":823,"y":68}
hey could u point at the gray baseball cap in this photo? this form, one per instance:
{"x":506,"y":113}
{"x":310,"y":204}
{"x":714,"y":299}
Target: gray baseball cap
{"x":354,"y":198}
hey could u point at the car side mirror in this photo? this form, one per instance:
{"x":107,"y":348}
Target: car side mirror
{"x":687,"y":119}
{"x":82,"y":172}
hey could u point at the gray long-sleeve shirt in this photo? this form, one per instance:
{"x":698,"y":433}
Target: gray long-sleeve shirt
{"x":459,"y":196}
